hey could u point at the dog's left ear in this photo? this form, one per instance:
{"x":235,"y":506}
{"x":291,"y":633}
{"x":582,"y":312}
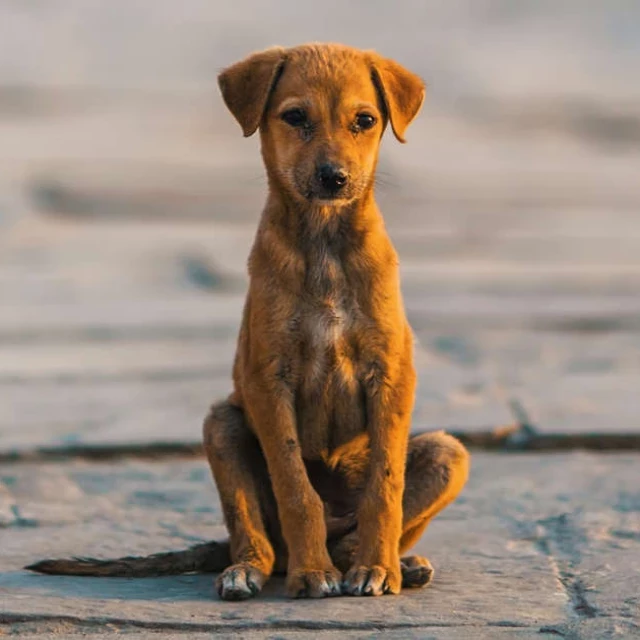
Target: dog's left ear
{"x":402,"y":93}
{"x":246,"y":86}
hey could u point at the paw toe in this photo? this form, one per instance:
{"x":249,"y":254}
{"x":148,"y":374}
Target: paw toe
{"x":314,"y":584}
{"x":371,"y":581}
{"x":239,"y":582}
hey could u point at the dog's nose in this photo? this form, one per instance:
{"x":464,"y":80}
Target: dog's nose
{"x":332,"y":177}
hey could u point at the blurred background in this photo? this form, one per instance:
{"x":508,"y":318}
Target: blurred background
{"x":129,"y":199}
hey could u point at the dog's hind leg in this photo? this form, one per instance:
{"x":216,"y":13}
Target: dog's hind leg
{"x":436,"y":471}
{"x":240,"y":473}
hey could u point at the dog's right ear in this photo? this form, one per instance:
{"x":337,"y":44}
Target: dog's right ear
{"x":246,"y":86}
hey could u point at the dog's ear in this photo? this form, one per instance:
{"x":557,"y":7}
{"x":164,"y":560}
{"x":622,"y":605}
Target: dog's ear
{"x":402,"y":93}
{"x":246,"y":86}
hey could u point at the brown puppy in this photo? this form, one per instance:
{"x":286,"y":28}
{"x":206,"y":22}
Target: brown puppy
{"x":311,"y":452}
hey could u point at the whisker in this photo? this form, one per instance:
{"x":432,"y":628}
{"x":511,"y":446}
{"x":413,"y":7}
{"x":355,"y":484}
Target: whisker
{"x":385,"y":183}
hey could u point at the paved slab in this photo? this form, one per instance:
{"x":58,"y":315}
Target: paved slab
{"x":62,"y":629}
{"x":535,"y":544}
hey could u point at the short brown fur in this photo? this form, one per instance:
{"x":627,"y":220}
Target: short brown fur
{"x":323,"y":378}
{"x":311,"y":452}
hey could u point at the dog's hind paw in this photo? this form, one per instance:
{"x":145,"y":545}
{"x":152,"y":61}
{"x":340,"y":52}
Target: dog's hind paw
{"x":240,"y":582}
{"x":416,"y":571}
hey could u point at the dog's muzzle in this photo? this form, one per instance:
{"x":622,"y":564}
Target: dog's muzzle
{"x":331,"y":180}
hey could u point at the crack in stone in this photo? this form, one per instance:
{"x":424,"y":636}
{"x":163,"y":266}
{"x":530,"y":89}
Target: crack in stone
{"x":556,"y":631}
{"x":562,"y":533}
{"x":18,"y":521}
{"x":122,"y":624}
{"x":580,"y":603}
{"x":488,"y":440}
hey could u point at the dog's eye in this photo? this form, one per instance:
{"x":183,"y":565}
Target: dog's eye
{"x":295,"y":117}
{"x":365,"y":121}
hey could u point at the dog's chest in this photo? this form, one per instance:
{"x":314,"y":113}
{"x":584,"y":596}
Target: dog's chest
{"x":324,"y":326}
{"x":327,"y":315}
{"x":329,"y":402}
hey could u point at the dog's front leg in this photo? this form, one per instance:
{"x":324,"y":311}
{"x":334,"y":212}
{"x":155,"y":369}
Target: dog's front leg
{"x":376,"y":567}
{"x":310,"y":571}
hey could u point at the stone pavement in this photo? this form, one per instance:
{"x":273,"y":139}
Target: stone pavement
{"x":536,"y":546}
{"x":128,"y":201}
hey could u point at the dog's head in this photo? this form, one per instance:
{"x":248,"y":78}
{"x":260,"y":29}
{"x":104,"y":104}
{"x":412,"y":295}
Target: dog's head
{"x":321,"y":110}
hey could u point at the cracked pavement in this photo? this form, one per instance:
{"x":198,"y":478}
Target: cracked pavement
{"x":128,"y":202}
{"x":536,"y":545}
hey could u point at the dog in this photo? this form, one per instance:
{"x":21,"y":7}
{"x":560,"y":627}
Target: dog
{"x":311,"y":453}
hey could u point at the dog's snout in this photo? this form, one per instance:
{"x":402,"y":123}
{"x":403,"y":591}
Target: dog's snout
{"x":332,"y":177}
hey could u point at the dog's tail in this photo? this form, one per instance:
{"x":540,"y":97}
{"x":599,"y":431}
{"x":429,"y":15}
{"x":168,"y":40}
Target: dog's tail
{"x":208,"y":557}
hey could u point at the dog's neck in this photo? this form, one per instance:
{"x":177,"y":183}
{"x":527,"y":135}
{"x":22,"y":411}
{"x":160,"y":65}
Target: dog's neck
{"x":305,"y":225}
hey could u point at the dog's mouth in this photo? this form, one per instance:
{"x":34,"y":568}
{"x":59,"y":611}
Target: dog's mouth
{"x":314,"y":193}
{"x":328,"y":198}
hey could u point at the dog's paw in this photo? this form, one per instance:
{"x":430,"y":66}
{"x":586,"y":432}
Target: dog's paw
{"x":240,"y":581}
{"x":374,"y":580}
{"x":416,"y":572}
{"x":321,"y":583}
